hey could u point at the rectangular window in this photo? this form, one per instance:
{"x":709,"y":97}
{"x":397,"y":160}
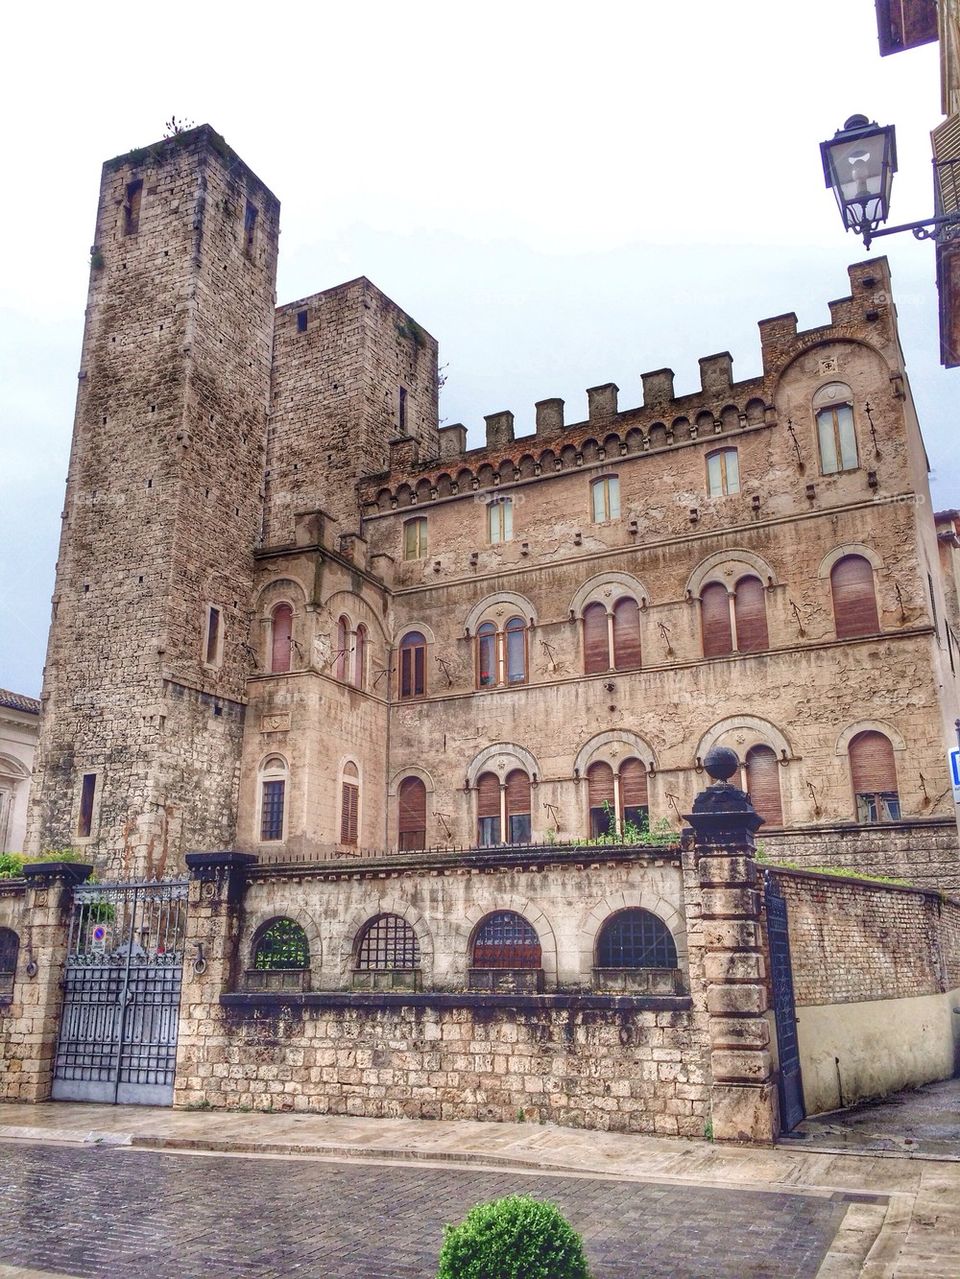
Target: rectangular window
{"x":271,"y":811}
{"x":131,"y":208}
{"x":838,"y":439}
{"x":403,"y":410}
{"x":88,"y":791}
{"x":415,"y":538}
{"x":212,"y":648}
{"x":301,"y":321}
{"x":249,"y":229}
{"x":488,"y":830}
{"x":606,"y":499}
{"x":723,"y":473}
{"x":520,"y":828}
{"x":602,"y":821}
{"x":349,"y":808}
{"x":637,"y":815}
{"x":882,"y":806}
{"x":500,"y":520}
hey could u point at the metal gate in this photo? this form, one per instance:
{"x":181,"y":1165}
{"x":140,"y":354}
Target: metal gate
{"x":789,"y":1083}
{"x":121,"y":1005}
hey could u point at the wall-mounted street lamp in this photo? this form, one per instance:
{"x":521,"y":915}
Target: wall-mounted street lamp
{"x":859,"y":162}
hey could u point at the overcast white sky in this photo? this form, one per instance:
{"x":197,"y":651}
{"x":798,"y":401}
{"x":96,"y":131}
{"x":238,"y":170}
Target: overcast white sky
{"x":564,"y":194}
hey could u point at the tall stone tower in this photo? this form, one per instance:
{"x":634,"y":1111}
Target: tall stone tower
{"x":143,"y":695}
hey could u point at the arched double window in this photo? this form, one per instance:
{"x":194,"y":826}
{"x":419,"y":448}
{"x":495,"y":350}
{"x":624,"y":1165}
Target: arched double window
{"x":9,"y":950}
{"x":412,"y":816}
{"x":281,"y":638}
{"x":503,"y":811}
{"x":763,"y":783}
{"x":611,"y":641}
{"x":636,"y":939}
{"x":502,"y":655}
{"x":836,"y":430}
{"x":873,"y":773}
{"x":350,"y":805}
{"x":387,"y":942}
{"x":273,"y":788}
{"x":734,"y":621}
{"x":506,"y":940}
{"x":854,"y":597}
{"x":616,"y":799}
{"x":280,"y":944}
{"x":412,"y":675}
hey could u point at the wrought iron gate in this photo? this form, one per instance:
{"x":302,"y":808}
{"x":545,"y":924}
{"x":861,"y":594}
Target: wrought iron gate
{"x":121,"y":1005}
{"x":789,"y":1083}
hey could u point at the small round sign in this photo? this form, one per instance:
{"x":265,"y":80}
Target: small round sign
{"x":99,"y":933}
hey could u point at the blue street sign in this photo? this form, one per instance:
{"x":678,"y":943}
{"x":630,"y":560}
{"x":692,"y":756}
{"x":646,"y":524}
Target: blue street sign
{"x":955,"y":767}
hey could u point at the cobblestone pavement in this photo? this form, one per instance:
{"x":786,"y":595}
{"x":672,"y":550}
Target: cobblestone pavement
{"x":125,"y":1213}
{"x":923,"y":1121}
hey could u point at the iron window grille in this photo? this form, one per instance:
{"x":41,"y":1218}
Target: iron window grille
{"x":9,"y":950}
{"x":281,"y":944}
{"x":506,"y":940}
{"x":388,"y":942}
{"x":271,"y":820}
{"x":636,"y":939}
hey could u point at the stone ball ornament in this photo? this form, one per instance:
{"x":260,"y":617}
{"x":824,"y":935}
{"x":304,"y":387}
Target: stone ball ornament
{"x":721,"y":763}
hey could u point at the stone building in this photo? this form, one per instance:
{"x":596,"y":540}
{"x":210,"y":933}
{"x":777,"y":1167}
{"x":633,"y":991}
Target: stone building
{"x":19,"y":726}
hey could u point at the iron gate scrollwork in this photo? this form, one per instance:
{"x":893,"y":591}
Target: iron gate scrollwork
{"x":121,"y":1006}
{"x":789,"y":1081}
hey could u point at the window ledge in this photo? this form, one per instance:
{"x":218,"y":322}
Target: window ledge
{"x":459,"y":999}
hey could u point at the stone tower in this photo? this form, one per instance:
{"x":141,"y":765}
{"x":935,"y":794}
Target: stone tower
{"x":147,"y":658}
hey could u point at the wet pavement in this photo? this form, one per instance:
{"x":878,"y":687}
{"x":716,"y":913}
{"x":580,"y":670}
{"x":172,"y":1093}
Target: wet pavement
{"x":923,"y":1122}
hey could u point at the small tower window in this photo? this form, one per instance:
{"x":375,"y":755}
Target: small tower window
{"x":213,"y":642}
{"x":249,"y":229}
{"x":413,"y":661}
{"x":723,"y":473}
{"x":301,"y":321}
{"x":606,"y":499}
{"x":350,"y":806}
{"x":273,"y":785}
{"x":500,"y":520}
{"x":836,"y":432}
{"x":131,"y":208}
{"x":88,"y":791}
{"x":415,"y":538}
{"x":403,"y":410}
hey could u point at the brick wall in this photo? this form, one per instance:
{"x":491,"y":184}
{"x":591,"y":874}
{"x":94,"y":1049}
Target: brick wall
{"x":922,"y":852}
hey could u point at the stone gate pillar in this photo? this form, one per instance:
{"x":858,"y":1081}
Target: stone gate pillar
{"x":743,"y":1093}
{"x":210,"y":963}
{"x":37,"y":1002}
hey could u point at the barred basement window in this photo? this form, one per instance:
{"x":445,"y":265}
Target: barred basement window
{"x":506,"y":940}
{"x":635,"y":939}
{"x":281,"y":943}
{"x":388,"y":941}
{"x":9,"y":950}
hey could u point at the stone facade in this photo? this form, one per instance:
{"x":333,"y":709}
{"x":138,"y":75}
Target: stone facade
{"x":19,"y":727}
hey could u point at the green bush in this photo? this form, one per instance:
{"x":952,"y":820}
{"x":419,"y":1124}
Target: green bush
{"x":12,"y":864}
{"x":512,"y":1238}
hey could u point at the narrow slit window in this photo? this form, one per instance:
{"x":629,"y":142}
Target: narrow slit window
{"x":214,"y":630}
{"x":350,"y":806}
{"x":88,"y":791}
{"x":403,"y":410}
{"x":486,"y":655}
{"x":271,"y":812}
{"x":131,"y":208}
{"x":515,"y":646}
{"x":249,"y":229}
{"x":301,"y":321}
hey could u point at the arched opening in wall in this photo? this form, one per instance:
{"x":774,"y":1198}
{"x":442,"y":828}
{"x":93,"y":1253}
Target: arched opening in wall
{"x":596,"y":648}
{"x":602,"y":800}
{"x":715,"y":620}
{"x":854,"y":597}
{"x":516,"y":796}
{"x":515,"y":650}
{"x":626,"y":635}
{"x":387,"y":955}
{"x":281,"y":638}
{"x":273,"y":786}
{"x":343,"y":649}
{"x":486,"y":655}
{"x":9,"y":950}
{"x":634,"y":800}
{"x":350,"y":805}
{"x":360,"y":658}
{"x":505,"y":943}
{"x":279,"y":958}
{"x":763,"y":784}
{"x":488,"y":810}
{"x":873,"y":772}
{"x":635,"y":951}
{"x":412,"y":803}
{"x":750,"y":615}
{"x":412,"y":675}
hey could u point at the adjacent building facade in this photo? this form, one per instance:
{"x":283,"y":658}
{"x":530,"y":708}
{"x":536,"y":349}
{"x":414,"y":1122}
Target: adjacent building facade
{"x":19,"y":726}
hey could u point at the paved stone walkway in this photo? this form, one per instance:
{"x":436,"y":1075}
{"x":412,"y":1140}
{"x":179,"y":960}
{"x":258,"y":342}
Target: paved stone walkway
{"x":127,"y":1213}
{"x":917,"y":1121}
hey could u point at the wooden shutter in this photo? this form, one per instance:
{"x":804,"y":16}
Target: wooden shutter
{"x":763,"y":784}
{"x":872,"y":765}
{"x":904,"y":24}
{"x":854,"y":601}
{"x":596,"y":647}
{"x":518,"y":793}
{"x":715,"y":620}
{"x":282,"y":630}
{"x":600,"y":784}
{"x":626,"y":635}
{"x":633,"y":784}
{"x":413,"y":813}
{"x":488,"y":795}
{"x":750,"y":610}
{"x":348,"y":813}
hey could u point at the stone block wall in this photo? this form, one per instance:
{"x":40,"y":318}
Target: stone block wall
{"x":921,"y":852}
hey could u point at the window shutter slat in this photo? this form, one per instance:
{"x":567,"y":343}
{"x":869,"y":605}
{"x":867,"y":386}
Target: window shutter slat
{"x":488,"y":795}
{"x":600,"y":784}
{"x":763,"y":784}
{"x":626,"y":635}
{"x":633,"y":784}
{"x":872,"y":764}
{"x":348,"y":814}
{"x":854,"y":599}
{"x":595,"y":640}
{"x":751,"y":613}
{"x":715,"y":620}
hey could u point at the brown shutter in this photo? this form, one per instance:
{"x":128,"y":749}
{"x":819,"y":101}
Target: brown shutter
{"x":904,"y":24}
{"x":626,"y":635}
{"x":348,"y":813}
{"x":596,"y":656}
{"x":763,"y":784}
{"x":413,"y":813}
{"x":600,"y":784}
{"x":633,"y":784}
{"x":282,"y":629}
{"x":750,"y":611}
{"x":518,"y":793}
{"x":872,"y":765}
{"x":715,"y":620}
{"x":488,"y":795}
{"x":854,"y":601}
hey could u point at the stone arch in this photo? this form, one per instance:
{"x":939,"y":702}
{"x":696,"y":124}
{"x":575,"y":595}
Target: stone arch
{"x":404,"y":495}
{"x":568,"y":457}
{"x":597,"y":748}
{"x":517,"y":603}
{"x":813,"y":343}
{"x":385,"y":905}
{"x":760,"y":732}
{"x":485,"y":475}
{"x":474,"y":914}
{"x":729,"y":417}
{"x":548,"y":460}
{"x":414,"y":625}
{"x":590,"y":451}
{"x":527,"y":466}
{"x":635,"y":440}
{"x":412,"y":770}
{"x":737,"y":559}
{"x":594,"y":589}
{"x":756,"y":412}
{"x":849,"y":548}
{"x":464,"y":480}
{"x":680,"y":429}
{"x":705,"y":423}
{"x":14,"y":769}
{"x":657,"y":435}
{"x":647,"y":897}
{"x":870,"y":726}
{"x":424,"y":490}
{"x":512,"y":755}
{"x":384,"y":499}
{"x":282,"y":590}
{"x":283,"y":908}
{"x":611,"y":445}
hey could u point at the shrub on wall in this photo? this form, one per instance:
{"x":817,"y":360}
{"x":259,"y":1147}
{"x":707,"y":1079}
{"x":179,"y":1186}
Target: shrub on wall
{"x":12,"y":864}
{"x":513,"y":1238}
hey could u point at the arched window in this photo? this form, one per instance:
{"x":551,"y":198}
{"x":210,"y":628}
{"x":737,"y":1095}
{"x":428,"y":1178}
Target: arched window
{"x":715,"y":620}
{"x":515,"y":646}
{"x":486,"y":655}
{"x":873,"y":771}
{"x":854,"y":599}
{"x":602,"y":800}
{"x":626,"y":634}
{"x":9,"y":949}
{"x":836,"y":432}
{"x":343,"y":648}
{"x":723,"y":473}
{"x":488,"y":810}
{"x":763,"y":784}
{"x":500,"y":519}
{"x":506,"y":940}
{"x":635,"y":939}
{"x":360,"y":658}
{"x":517,"y":804}
{"x":750,"y":616}
{"x":280,"y":943}
{"x":605,"y":498}
{"x":634,"y":803}
{"x":413,"y":665}
{"x":387,"y":942}
{"x":596,"y":640}
{"x":281,"y":638}
{"x":412,"y":800}
{"x":273,"y":785}
{"x":615,"y":799}
{"x":415,"y":538}
{"x":350,"y":805}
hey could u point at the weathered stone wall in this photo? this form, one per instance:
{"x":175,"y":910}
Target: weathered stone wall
{"x":921,"y":852}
